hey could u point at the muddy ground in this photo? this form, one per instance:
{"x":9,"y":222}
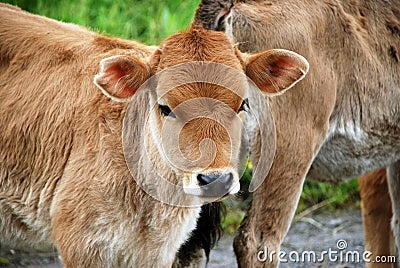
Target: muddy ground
{"x":316,"y":232}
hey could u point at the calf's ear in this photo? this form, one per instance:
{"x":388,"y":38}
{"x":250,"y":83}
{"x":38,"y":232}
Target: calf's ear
{"x":211,"y":13}
{"x":120,"y":76}
{"x":277,"y":70}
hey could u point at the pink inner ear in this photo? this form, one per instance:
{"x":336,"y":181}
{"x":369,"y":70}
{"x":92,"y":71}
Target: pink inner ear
{"x":121,"y":76}
{"x":275,"y":73}
{"x":125,"y":92}
{"x":279,"y":66}
{"x":121,"y":88}
{"x":114,"y":73}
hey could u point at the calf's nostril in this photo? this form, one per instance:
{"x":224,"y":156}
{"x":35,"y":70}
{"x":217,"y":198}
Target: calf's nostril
{"x":226,"y":178}
{"x":207,"y":179}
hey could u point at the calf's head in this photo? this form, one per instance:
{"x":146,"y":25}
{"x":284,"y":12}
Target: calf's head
{"x":197,"y":99}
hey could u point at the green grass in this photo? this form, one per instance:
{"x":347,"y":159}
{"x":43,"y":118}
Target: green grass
{"x":4,"y":261}
{"x":344,"y":195}
{"x":330,"y":196}
{"x":148,"y":21}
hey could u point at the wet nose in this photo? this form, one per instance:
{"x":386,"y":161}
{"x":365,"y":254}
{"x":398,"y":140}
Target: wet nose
{"x":207,"y":179}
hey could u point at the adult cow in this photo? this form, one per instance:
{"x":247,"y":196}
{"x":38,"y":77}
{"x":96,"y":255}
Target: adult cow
{"x":340,"y":122}
{"x":64,"y":94}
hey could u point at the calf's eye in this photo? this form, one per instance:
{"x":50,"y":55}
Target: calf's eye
{"x":166,"y":111}
{"x":244,"y":106}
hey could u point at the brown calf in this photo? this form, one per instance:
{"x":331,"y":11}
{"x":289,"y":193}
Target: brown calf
{"x":341,"y":121}
{"x":85,"y":171}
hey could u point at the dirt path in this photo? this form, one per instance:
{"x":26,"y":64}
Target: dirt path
{"x":316,"y":232}
{"x":12,"y":258}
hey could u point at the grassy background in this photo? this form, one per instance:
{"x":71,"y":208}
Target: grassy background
{"x":315,"y":196}
{"x":150,"y":22}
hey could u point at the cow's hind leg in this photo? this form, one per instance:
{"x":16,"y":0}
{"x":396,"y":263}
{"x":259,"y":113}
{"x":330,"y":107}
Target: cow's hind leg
{"x":394,"y":189}
{"x":376,"y":214}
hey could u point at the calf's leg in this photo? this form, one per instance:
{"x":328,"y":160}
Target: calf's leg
{"x":394,"y":190}
{"x":376,"y":214}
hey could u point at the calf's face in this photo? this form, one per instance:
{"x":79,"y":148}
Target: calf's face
{"x":197,"y":100}
{"x":198,"y":127}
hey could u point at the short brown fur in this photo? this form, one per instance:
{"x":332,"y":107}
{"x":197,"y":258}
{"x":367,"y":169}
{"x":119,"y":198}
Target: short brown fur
{"x":376,"y":215}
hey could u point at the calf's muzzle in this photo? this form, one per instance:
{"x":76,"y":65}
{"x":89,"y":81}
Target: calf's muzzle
{"x":215,"y":185}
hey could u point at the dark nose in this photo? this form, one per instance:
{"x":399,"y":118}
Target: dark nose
{"x":224,"y":179}
{"x":215,"y":185}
